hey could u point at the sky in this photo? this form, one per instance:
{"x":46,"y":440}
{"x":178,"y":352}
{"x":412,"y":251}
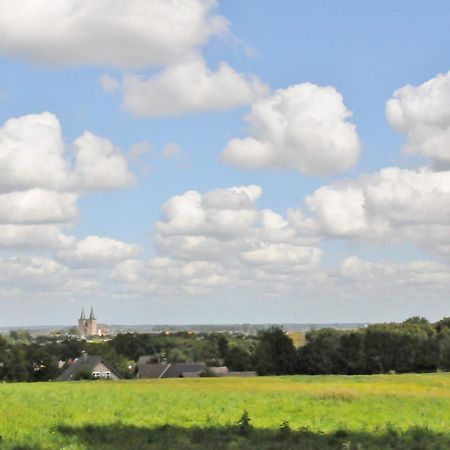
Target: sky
{"x":198,"y":161}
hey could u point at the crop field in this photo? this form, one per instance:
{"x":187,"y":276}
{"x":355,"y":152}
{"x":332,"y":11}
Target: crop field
{"x":293,"y":412}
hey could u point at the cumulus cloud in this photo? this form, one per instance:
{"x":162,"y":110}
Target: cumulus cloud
{"x":219,"y":212}
{"x":135,"y":33}
{"x":303,"y":127}
{"x":32,"y":154}
{"x":190,"y":86}
{"x":226,"y":224}
{"x":33,"y":237}
{"x":411,"y":273}
{"x":41,"y":275}
{"x":37,"y":206}
{"x":96,"y":251}
{"x":396,"y":204}
{"x":282,"y":255}
{"x":217,"y":239}
{"x":99,"y":165}
{"x":40,"y":185}
{"x":166,"y":276}
{"x":423,"y":114}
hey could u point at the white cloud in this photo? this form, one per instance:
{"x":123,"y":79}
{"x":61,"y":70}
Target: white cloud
{"x":32,"y":154}
{"x":42,"y":275}
{"x":219,"y":212}
{"x":40,"y":187}
{"x":99,"y":165}
{"x":33,"y":237}
{"x":219,"y":238}
{"x":95,"y":251}
{"x":411,"y":273}
{"x":167,"y":277}
{"x":277,"y":255}
{"x":423,"y":113}
{"x":303,"y":127}
{"x":395,"y":204}
{"x":37,"y":206}
{"x":134,"y":33}
{"x":31,"y":270}
{"x":190,"y":86}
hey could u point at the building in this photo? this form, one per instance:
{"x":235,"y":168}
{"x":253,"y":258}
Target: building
{"x":103,"y":330}
{"x":87,"y":366}
{"x":146,"y":369}
{"x":169,"y":370}
{"x":87,"y":327}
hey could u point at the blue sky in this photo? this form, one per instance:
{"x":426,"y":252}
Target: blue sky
{"x":364,"y":50}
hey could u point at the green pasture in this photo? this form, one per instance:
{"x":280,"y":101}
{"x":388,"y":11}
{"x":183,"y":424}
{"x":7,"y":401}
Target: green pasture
{"x":294,"y":412}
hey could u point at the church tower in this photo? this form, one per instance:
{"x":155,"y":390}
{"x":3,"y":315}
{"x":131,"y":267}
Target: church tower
{"x":92,"y":323}
{"x":87,"y":327}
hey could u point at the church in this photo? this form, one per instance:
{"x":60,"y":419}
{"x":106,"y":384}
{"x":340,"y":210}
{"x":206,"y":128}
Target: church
{"x":87,"y":327}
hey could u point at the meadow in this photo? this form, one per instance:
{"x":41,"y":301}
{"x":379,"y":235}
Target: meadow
{"x":290,"y":412}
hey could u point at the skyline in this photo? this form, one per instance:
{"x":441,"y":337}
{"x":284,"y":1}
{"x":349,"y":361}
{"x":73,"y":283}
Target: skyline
{"x":197,"y":162}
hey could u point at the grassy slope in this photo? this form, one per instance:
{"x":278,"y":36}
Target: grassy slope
{"x":371,"y":410}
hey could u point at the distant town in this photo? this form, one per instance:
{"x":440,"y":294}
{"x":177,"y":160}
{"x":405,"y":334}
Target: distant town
{"x":104,"y":330}
{"x":91,"y":349}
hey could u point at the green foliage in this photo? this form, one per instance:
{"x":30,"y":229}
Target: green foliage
{"x":238,"y":359}
{"x":414,"y":345}
{"x":244,"y":423}
{"x":275,"y":353}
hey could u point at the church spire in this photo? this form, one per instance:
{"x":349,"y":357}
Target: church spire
{"x":83,"y":316}
{"x":92,"y":316}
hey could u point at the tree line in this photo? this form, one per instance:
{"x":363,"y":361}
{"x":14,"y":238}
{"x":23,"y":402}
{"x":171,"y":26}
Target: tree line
{"x":414,"y":345}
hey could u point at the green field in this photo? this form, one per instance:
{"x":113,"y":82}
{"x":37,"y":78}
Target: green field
{"x":323,"y":412}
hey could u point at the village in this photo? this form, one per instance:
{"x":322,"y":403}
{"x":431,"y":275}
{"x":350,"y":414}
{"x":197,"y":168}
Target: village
{"x":95,"y":367}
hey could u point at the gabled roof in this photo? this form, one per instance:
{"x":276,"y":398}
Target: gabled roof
{"x":169,"y":370}
{"x":84,"y":363}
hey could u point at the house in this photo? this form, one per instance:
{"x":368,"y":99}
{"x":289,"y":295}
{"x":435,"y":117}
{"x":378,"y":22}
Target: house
{"x":88,"y":365}
{"x":147,"y":369}
{"x":169,"y":370}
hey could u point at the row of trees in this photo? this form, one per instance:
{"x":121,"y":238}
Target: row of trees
{"x":412,"y":346}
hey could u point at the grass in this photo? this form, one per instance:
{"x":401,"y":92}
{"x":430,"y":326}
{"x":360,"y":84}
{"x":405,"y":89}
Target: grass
{"x":323,"y":412}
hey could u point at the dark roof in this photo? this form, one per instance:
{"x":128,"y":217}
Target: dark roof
{"x":145,"y":359}
{"x":84,"y":363}
{"x":168,"y":370}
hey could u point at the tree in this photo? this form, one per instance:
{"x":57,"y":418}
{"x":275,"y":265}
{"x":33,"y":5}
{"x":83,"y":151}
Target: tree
{"x":417,"y":320}
{"x":237,"y":359}
{"x":275,"y":353}
{"x":321,"y":353}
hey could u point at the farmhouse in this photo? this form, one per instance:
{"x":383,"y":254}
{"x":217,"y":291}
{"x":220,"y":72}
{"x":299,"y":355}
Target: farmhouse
{"x":90,"y":366}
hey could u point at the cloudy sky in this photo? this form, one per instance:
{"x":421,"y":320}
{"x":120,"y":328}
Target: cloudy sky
{"x":194,"y":161}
